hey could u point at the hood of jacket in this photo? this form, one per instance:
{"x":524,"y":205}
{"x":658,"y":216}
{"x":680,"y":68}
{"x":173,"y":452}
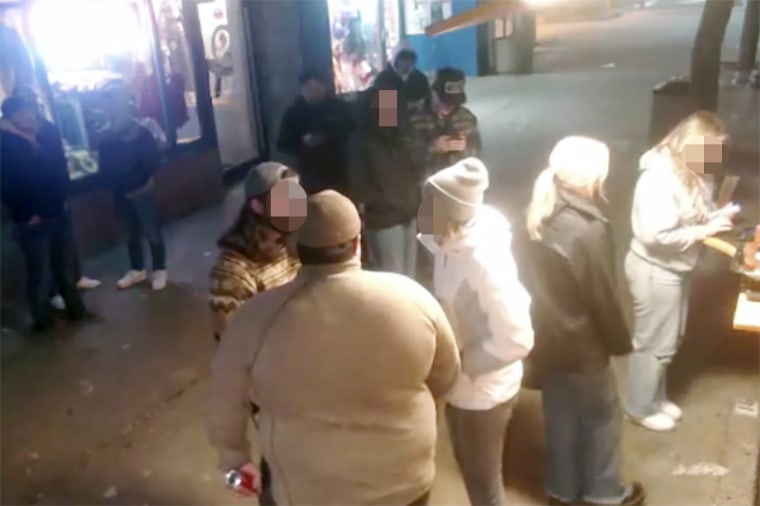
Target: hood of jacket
{"x":655,"y":159}
{"x":480,"y":231}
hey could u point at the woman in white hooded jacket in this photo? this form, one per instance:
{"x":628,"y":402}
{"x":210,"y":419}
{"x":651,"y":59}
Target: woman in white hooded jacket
{"x":673,"y":213}
{"x":475,"y":278}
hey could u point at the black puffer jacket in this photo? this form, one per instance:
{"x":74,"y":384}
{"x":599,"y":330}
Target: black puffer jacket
{"x":570,"y":274}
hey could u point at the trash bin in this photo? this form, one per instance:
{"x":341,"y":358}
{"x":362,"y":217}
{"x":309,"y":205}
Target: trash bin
{"x":671,"y":102}
{"x":514,"y":53}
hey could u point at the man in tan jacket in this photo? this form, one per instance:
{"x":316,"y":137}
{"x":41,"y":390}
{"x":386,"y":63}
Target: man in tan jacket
{"x":346,"y":366}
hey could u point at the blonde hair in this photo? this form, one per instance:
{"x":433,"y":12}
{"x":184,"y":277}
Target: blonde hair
{"x":577,"y":164}
{"x":692,"y":130}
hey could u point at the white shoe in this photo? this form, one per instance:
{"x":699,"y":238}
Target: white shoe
{"x":58,"y":303}
{"x":131,"y":279}
{"x":86,"y":283}
{"x":158,"y":280}
{"x":672,"y":410}
{"x":658,"y":422}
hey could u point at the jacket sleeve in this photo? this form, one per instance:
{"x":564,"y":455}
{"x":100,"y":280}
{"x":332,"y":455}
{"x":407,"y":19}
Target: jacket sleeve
{"x":506,"y":307}
{"x":474,"y":142}
{"x":229,"y":404}
{"x":446,"y":365}
{"x":226,"y":294}
{"x":289,"y":140}
{"x":592,"y":260}
{"x":12,"y":199}
{"x":655,"y":216}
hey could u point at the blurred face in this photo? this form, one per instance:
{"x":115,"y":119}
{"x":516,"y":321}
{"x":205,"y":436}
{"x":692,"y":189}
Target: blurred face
{"x":25,"y":119}
{"x":404,"y":66}
{"x":432,"y":219}
{"x":704,"y":155}
{"x":313,"y":91}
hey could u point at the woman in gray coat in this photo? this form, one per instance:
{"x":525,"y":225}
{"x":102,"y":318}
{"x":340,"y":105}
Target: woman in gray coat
{"x":672,"y":213}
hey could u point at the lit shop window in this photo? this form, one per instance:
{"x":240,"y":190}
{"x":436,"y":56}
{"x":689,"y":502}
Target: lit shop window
{"x":181,"y":102}
{"x":363,"y":36}
{"x":86,"y":45}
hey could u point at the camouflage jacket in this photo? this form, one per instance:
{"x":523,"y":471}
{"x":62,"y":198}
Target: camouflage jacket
{"x":426,"y":127}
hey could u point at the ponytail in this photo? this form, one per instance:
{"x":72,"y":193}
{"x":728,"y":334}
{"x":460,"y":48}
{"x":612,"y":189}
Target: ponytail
{"x":542,"y":203}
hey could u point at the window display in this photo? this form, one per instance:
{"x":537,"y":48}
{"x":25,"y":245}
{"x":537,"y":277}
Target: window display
{"x":361,"y":40}
{"x":84,"y":45}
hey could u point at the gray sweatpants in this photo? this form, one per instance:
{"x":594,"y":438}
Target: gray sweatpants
{"x":660,"y":306}
{"x":478,"y":440}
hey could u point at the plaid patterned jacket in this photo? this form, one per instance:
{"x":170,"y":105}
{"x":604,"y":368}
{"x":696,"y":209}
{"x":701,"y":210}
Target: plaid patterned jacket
{"x":427,"y":126}
{"x":235,"y":278}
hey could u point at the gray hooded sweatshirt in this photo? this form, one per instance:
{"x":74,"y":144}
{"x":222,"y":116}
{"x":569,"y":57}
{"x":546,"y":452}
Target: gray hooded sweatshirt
{"x":666,"y":230}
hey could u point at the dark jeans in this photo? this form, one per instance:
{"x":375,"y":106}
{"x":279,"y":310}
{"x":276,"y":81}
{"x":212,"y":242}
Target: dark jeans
{"x":48,"y":251}
{"x":74,"y":266}
{"x":140,"y":217}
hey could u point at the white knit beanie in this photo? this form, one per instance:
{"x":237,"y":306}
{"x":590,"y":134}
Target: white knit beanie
{"x":461,"y":188}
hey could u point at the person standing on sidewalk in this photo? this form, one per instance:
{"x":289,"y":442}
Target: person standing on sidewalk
{"x":476,"y":280}
{"x":254,"y":255}
{"x":48,"y":130}
{"x":315,"y":130}
{"x":388,"y":182}
{"x":129,"y":158}
{"x":34,"y":183}
{"x":445,"y":131}
{"x":673,"y":211}
{"x":346,"y":366}
{"x":403,"y":76}
{"x":569,"y":269}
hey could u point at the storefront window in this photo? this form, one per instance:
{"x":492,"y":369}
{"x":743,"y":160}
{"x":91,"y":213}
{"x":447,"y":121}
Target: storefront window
{"x":419,"y":14}
{"x":86,"y":44}
{"x":178,"y":68}
{"x":356,"y":43}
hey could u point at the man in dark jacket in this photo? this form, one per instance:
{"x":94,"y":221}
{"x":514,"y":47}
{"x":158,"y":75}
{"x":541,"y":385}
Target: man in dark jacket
{"x":402,"y":75}
{"x":315,"y":130}
{"x":387,"y":182}
{"x":34,"y":183}
{"x":129,"y":157}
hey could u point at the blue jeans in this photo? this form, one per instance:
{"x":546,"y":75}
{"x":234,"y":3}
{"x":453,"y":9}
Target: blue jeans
{"x":582,"y":420}
{"x":48,"y":254}
{"x":140,"y":217}
{"x":394,"y":249}
{"x":660,"y":307}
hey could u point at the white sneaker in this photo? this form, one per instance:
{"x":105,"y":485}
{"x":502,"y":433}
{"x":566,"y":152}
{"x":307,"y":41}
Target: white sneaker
{"x":131,"y":279}
{"x":58,"y":303}
{"x":672,"y":410}
{"x":658,"y":422}
{"x":158,"y":280}
{"x":86,"y":283}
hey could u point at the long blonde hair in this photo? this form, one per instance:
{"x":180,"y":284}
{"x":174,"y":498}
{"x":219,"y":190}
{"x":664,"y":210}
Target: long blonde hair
{"x":691,"y":130}
{"x":577,"y":164}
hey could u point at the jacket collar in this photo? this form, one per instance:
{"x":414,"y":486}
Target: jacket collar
{"x":581,"y":205}
{"x":309,"y":272}
{"x":8,"y":127}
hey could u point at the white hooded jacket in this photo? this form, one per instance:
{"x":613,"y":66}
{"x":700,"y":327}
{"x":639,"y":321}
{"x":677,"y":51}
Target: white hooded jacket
{"x":476,"y":281}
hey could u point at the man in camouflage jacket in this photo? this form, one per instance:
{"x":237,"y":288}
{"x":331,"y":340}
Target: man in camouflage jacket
{"x":446,"y":131}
